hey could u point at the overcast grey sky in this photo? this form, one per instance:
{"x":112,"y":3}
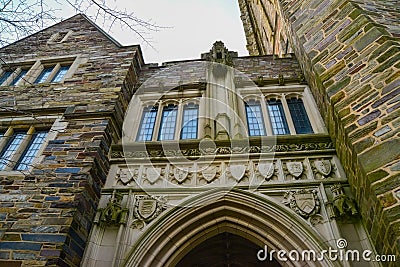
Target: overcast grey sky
{"x":194,"y":26}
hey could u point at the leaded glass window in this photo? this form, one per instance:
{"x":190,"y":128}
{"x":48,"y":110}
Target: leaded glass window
{"x":44,"y":75}
{"x":255,"y":122}
{"x":60,"y":74}
{"x":19,"y":77}
{"x":277,"y":117}
{"x":31,"y":151}
{"x":168,"y":123}
{"x":299,"y":116}
{"x":190,"y":121}
{"x":5,"y":76}
{"x":11,"y":147}
{"x":147,"y":124}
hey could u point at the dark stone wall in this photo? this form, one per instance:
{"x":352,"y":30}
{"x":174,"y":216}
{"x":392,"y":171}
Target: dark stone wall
{"x":350,"y":53}
{"x":46,"y":215}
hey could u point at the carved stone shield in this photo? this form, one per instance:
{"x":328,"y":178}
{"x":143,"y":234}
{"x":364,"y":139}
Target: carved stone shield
{"x":305,"y":201}
{"x":209,"y":173}
{"x":324,"y":167}
{"x":153,"y":174}
{"x":266,"y":169}
{"x":146,"y":207}
{"x":180,"y":174}
{"x":237,"y":171}
{"x":295,"y":168}
{"x":124,"y":176}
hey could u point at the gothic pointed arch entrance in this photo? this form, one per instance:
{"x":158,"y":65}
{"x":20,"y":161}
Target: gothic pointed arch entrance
{"x":249,"y":219}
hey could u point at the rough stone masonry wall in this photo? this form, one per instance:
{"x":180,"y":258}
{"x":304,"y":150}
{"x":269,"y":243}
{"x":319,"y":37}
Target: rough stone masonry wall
{"x":46,"y":216}
{"x":351,"y":58}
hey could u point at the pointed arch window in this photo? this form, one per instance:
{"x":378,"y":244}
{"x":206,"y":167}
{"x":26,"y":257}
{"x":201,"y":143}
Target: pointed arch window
{"x":190,"y":121}
{"x":277,"y":117}
{"x":299,"y":116}
{"x":147,"y":124}
{"x":168,"y":123}
{"x":255,"y":121}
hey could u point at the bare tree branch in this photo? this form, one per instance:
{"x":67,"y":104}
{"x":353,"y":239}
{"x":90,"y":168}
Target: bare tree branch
{"x":19,"y":18}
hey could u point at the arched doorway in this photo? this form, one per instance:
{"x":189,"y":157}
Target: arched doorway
{"x":255,"y":218}
{"x":225,"y":250}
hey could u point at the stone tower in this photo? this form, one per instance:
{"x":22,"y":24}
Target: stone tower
{"x":349,"y":52}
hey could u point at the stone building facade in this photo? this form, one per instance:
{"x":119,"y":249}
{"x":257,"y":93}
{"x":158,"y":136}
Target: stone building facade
{"x":108,"y":161}
{"x":349,"y":52}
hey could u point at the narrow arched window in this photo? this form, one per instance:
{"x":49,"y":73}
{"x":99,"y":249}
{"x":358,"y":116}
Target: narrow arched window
{"x":190,"y":121}
{"x":277,"y":117}
{"x":255,"y":122}
{"x":299,"y":116}
{"x":168,"y":123}
{"x":147,"y":124}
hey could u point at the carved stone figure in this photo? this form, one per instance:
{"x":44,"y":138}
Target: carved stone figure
{"x":113,"y":213}
{"x":343,"y":205}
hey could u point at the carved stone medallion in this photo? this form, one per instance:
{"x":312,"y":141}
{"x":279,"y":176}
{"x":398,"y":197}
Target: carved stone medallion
{"x":304,"y":202}
{"x":295,"y":168}
{"x":266,"y":169}
{"x":324,"y":167}
{"x":180,"y":174}
{"x":237,"y":171}
{"x":152,"y":174}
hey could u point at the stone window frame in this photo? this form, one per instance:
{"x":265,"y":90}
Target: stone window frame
{"x":181,"y":101}
{"x":262,"y":94}
{"x":51,"y":124}
{"x":35,"y":68}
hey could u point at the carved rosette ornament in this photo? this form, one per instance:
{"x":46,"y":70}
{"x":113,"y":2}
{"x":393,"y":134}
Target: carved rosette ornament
{"x":304,"y":202}
{"x":146,"y":209}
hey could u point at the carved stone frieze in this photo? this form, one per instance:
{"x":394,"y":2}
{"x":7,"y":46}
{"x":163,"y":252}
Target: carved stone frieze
{"x":158,"y":152}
